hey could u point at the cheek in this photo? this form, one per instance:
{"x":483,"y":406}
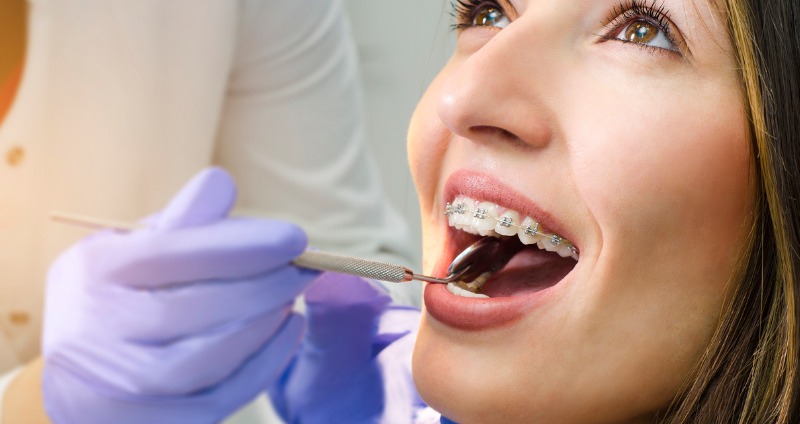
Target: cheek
{"x":671,"y":190}
{"x":427,"y":141}
{"x":427,"y":145}
{"x":673,"y":174}
{"x":425,"y":151}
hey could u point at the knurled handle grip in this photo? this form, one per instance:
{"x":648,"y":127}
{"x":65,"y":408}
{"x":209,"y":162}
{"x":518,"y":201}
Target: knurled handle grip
{"x":366,"y":268}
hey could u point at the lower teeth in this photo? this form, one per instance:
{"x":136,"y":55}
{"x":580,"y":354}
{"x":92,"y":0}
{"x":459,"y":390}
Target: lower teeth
{"x":456,"y":289}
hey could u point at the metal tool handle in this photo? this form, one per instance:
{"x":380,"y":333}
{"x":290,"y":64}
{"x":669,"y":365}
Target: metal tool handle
{"x":320,"y":261}
{"x":323,"y":261}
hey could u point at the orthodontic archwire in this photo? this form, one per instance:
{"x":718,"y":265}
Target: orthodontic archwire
{"x":506,"y":221}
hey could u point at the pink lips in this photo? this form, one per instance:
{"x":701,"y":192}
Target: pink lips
{"x":474,"y":314}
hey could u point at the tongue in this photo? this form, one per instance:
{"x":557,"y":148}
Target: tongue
{"x":528,"y":271}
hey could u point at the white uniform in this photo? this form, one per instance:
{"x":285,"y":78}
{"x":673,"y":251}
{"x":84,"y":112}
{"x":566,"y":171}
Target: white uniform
{"x":121,"y":102}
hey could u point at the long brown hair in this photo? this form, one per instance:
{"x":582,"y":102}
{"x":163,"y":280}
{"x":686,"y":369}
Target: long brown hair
{"x":749,"y":373}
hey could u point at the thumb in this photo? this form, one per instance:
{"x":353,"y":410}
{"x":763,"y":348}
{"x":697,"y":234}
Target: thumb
{"x":334,"y":377}
{"x":343,"y":314}
{"x":206,"y":198}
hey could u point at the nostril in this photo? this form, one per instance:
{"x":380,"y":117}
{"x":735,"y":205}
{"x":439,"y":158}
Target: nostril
{"x":495,"y":133}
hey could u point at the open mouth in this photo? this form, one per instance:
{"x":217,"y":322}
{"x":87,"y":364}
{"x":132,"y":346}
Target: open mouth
{"x":539,"y":258}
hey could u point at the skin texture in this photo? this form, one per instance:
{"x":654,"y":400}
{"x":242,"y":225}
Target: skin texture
{"x":643,"y":154}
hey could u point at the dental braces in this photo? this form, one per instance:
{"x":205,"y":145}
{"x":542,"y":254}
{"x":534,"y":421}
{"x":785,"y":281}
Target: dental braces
{"x":506,"y":221}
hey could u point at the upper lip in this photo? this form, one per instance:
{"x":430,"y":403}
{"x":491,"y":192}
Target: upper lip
{"x":483,"y":187}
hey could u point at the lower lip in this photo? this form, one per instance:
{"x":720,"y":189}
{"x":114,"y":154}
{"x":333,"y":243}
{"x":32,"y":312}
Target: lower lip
{"x":474,"y":314}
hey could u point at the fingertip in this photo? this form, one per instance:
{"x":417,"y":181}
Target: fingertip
{"x":206,"y":198}
{"x":281,"y":241}
{"x":297,"y":239}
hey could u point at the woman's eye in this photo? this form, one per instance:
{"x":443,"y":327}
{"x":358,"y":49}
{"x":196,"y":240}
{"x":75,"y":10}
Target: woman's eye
{"x":479,"y":13}
{"x":645,"y":23}
{"x":490,"y":16}
{"x":646,"y":33}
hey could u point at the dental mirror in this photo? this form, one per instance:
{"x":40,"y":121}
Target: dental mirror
{"x":485,"y":255}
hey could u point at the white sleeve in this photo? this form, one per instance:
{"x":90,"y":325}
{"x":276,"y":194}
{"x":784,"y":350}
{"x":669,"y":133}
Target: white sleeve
{"x":5,"y":381}
{"x":292,"y":133}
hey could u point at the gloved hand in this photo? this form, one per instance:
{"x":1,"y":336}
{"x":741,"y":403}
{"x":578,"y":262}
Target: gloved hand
{"x":354,"y":365}
{"x":181,"y":322}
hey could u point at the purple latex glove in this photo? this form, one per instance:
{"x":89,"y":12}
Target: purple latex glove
{"x":181,"y":322}
{"x":354,"y":365}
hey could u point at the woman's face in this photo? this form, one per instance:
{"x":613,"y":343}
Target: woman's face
{"x":619,"y":127}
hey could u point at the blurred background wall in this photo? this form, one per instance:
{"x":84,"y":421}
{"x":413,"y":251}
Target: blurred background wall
{"x":402,"y":45}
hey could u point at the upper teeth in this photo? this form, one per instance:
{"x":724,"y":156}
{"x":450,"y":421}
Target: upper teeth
{"x":489,"y":219}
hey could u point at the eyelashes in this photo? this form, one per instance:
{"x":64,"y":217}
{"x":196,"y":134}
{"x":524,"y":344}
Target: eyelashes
{"x":626,"y":10}
{"x":466,"y":13}
{"x":652,"y":13}
{"x":650,"y":19}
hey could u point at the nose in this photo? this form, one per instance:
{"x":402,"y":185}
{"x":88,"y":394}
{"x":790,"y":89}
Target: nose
{"x":496,"y":93}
